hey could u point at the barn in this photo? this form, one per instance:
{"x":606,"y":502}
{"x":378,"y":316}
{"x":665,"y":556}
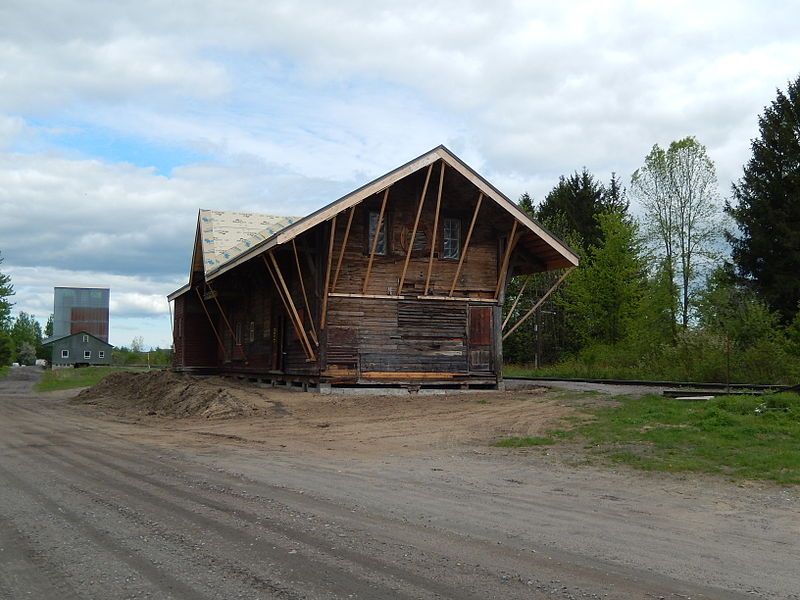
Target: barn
{"x":400,"y":282}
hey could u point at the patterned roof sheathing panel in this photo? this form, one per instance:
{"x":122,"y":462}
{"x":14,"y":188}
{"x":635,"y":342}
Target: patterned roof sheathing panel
{"x":225,"y":235}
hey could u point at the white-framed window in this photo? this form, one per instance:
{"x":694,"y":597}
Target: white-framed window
{"x":87,"y":354}
{"x":85,"y":338}
{"x":380,"y":247}
{"x":451,"y":238}
{"x":101,"y":354}
{"x":252,"y":336}
{"x":65,"y":353}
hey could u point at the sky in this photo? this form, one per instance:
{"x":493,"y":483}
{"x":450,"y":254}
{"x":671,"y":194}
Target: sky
{"x":119,"y":120}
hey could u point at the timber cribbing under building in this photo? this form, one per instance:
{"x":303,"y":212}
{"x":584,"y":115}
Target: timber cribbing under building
{"x":400,"y":282}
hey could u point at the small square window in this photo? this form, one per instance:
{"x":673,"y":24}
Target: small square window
{"x":87,"y":354}
{"x":101,"y":354}
{"x":65,"y":354}
{"x":380,"y":247}
{"x":85,"y":338}
{"x":451,"y":238}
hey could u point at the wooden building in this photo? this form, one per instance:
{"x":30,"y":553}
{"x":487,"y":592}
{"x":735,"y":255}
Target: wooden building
{"x":400,"y":282}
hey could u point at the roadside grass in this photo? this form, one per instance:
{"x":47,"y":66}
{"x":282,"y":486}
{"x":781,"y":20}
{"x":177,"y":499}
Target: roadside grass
{"x":740,"y":437}
{"x":4,"y":371}
{"x":65,"y":379}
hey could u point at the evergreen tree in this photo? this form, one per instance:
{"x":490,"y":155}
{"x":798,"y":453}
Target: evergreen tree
{"x":766,"y":207}
{"x":603,"y":294}
{"x":6,"y":291}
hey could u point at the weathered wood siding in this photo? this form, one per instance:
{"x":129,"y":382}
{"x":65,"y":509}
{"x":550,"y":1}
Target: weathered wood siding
{"x":382,"y":335}
{"x":195,"y":344}
{"x":478,"y":277}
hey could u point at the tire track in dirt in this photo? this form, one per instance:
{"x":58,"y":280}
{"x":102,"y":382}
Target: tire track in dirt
{"x":292,"y":537}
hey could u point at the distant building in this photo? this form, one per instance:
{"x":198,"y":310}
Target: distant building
{"x":80,"y":326}
{"x":79,"y":348}
{"x":81,"y":309}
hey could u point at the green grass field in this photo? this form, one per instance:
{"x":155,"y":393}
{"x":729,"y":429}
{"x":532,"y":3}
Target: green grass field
{"x":65,"y":379}
{"x":741,"y":437}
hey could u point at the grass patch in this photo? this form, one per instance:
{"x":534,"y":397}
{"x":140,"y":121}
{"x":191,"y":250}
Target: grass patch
{"x":4,"y":371}
{"x":65,"y":379}
{"x":743,"y":437}
{"x":524,"y":442}
{"x":740,"y":437}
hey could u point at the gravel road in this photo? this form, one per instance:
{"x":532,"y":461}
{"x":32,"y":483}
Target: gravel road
{"x":91,"y":508}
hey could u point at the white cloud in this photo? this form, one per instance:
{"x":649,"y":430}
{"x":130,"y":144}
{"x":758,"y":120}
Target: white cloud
{"x":285,"y":106}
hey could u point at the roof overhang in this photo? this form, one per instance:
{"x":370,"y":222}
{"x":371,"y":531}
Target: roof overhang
{"x":567,"y":257}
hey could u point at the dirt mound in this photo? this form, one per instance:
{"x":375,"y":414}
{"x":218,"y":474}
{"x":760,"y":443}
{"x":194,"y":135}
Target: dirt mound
{"x":169,"y":394}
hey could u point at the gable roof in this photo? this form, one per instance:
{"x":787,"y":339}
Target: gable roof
{"x":568,"y":257}
{"x":535,"y":236}
{"x":224,"y":235}
{"x":55,"y":338}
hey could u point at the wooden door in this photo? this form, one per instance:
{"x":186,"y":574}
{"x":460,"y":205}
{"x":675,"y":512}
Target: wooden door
{"x":480,"y":339}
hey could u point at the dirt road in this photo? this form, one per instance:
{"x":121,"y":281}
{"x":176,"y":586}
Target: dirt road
{"x":102,"y":508}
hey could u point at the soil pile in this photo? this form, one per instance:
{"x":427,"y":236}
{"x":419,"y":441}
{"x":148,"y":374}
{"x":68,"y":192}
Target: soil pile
{"x":164,"y":393}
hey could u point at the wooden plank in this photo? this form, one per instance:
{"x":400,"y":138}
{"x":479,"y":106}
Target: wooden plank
{"x":210,"y":320}
{"x":435,"y":229}
{"x":437,"y":298}
{"x":501,"y":275}
{"x":327,"y":275}
{"x":227,"y":323}
{"x":341,"y":250}
{"x":375,"y":239}
{"x":539,"y":303}
{"x":295,"y":316}
{"x":414,"y":229}
{"x":407,"y":375}
{"x":466,"y":243}
{"x":305,"y":297}
{"x":516,"y":300}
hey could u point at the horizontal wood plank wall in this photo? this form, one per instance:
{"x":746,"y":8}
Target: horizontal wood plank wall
{"x":478,"y":277}
{"x":396,"y":336}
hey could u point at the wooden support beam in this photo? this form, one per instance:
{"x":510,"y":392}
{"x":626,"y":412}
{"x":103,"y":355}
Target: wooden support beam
{"x":293,"y":314}
{"x":227,"y":323}
{"x":327,"y":275}
{"x":466,"y":243}
{"x":538,"y":303}
{"x":305,"y":296}
{"x":375,"y":239}
{"x":414,"y":231}
{"x":435,"y":230}
{"x":210,"y":320}
{"x":341,"y":250}
{"x":514,"y":304}
{"x":501,"y":275}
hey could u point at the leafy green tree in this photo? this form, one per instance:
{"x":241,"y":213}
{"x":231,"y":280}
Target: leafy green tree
{"x":26,"y":331}
{"x":6,"y":291}
{"x":677,"y":188}
{"x":48,"y":328}
{"x":734,"y":311}
{"x":766,"y":207}
{"x":26,"y":354}
{"x":6,"y":348}
{"x":654,"y":322}
{"x":602,"y":295}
